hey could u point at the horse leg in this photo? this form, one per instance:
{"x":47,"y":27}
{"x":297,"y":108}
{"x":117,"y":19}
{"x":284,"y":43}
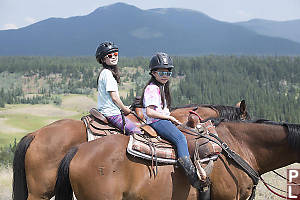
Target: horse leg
{"x":40,"y":173}
{"x":48,"y":148}
{"x":39,"y":188}
{"x":228,"y":182}
{"x":20,"y":190}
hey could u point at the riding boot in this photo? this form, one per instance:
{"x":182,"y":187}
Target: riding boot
{"x":190,"y":171}
{"x":204,"y":193}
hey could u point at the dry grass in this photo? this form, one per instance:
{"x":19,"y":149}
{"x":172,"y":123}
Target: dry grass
{"x":5,"y":183}
{"x":5,"y":128}
{"x":78,"y":103}
{"x":271,"y":178}
{"x":39,"y":110}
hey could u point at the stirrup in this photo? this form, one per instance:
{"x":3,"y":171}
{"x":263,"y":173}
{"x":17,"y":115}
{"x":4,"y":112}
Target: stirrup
{"x":200,"y":171}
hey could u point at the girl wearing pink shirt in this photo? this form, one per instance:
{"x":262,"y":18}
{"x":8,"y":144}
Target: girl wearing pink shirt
{"x":156,"y":101}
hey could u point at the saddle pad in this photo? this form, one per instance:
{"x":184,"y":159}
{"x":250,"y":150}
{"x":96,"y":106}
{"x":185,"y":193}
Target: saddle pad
{"x":97,"y":129}
{"x":149,"y":149}
{"x":162,"y":151}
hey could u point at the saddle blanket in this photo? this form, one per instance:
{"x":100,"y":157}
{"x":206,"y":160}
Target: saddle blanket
{"x":162,"y":151}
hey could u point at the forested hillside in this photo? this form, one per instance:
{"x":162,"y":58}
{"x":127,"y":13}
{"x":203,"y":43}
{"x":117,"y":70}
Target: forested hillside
{"x":270,"y":85}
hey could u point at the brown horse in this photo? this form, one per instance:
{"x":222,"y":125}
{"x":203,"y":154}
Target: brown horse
{"x":38,"y":154}
{"x":102,"y":170}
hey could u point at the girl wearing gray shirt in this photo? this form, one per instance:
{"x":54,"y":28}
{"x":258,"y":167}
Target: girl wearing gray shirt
{"x":109,"y":102}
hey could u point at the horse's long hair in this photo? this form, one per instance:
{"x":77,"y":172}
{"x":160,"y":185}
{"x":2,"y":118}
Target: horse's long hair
{"x":20,"y":190}
{"x":294,"y":135}
{"x":63,"y":189}
{"x":292,"y":129}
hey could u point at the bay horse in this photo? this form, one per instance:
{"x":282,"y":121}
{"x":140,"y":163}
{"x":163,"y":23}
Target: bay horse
{"x":102,"y":170}
{"x":38,"y":154}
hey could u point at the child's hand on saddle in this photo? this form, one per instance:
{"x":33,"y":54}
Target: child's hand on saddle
{"x":126,"y":111}
{"x":174,"y":120}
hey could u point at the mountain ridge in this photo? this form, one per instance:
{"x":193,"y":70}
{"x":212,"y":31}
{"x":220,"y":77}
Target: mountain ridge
{"x":141,"y":33}
{"x":284,"y":29}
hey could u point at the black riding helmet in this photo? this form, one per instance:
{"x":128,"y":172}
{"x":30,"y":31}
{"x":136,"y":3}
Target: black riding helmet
{"x":104,"y":49}
{"x":161,"y":60}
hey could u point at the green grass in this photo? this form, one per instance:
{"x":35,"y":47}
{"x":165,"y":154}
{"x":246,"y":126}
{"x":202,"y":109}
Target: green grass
{"x":30,"y":122}
{"x":9,"y":138}
{"x":26,"y":121}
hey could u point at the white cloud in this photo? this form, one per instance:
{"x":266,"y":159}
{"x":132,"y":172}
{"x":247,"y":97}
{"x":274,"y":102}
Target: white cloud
{"x":9,"y":26}
{"x":30,"y":20}
{"x":243,"y":14}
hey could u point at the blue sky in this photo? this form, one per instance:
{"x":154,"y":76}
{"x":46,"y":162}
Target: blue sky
{"x":20,"y":13}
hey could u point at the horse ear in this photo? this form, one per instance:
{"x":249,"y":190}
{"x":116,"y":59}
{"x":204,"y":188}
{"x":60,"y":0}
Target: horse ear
{"x":243,"y":106}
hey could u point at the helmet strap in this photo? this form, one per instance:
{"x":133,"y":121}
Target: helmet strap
{"x":156,"y":81}
{"x":108,"y":66}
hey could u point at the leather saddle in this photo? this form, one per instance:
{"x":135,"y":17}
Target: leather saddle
{"x":162,"y":151}
{"x":98,"y":125}
{"x":150,"y":146}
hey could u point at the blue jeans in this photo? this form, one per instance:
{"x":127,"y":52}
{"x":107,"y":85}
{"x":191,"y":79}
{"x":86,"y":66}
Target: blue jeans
{"x":167,"y":130}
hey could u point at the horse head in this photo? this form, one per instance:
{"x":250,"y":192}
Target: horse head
{"x":233,"y":113}
{"x":244,"y":115}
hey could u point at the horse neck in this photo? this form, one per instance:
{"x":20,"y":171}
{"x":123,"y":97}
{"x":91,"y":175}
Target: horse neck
{"x":207,"y":112}
{"x":268,"y":145}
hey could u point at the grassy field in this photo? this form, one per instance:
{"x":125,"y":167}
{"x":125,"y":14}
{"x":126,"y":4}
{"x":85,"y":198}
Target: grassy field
{"x":18,"y":120}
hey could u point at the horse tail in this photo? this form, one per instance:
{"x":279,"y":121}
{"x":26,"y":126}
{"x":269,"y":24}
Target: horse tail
{"x":63,"y":189}
{"x":20,"y":190}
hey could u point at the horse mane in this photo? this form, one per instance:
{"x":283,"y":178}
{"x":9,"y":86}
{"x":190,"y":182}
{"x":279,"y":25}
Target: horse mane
{"x":230,"y":113}
{"x":294,"y":135}
{"x":293,"y":131}
{"x":188,"y":106}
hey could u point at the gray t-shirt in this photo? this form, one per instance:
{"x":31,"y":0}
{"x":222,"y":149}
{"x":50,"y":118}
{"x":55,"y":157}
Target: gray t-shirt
{"x":107,"y":83}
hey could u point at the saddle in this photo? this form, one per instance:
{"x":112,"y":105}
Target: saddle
{"x":150,"y":146}
{"x":162,"y":151}
{"x":97,"y":125}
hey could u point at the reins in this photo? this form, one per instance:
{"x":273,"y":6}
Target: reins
{"x":229,"y":153}
{"x":268,"y":186}
{"x":232,"y":155}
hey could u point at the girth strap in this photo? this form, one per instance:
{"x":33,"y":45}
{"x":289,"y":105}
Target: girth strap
{"x":234,"y":156}
{"x":241,"y":162}
{"x":231,"y":154}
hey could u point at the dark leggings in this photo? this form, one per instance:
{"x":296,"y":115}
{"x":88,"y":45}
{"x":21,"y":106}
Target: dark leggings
{"x":167,"y":130}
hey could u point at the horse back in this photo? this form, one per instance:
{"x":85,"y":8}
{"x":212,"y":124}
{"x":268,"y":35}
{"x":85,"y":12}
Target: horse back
{"x":104,"y":162}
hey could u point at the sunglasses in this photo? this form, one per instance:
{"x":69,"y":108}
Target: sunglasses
{"x":164,"y":74}
{"x":112,"y":54}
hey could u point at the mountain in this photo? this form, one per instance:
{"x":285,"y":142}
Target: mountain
{"x":140,"y":33}
{"x":286,"y":29}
